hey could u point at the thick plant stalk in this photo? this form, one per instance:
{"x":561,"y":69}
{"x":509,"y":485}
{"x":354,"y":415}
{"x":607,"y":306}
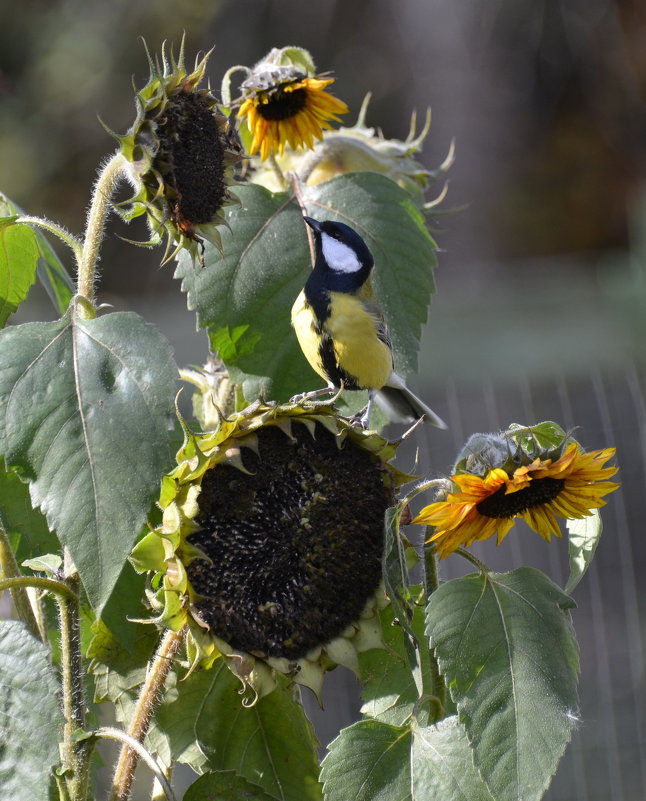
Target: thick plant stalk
{"x":438,"y":687}
{"x":9,"y":569}
{"x":158,"y":670}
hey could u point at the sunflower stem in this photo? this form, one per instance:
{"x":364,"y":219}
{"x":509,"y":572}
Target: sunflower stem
{"x":48,"y":225}
{"x":473,"y":559}
{"x":9,"y":570}
{"x":431,"y":581}
{"x":97,"y":216}
{"x":75,"y":753}
{"x":280,"y":175}
{"x":156,"y":676}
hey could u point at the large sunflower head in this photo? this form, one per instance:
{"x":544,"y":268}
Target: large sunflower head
{"x":271,"y":542}
{"x":535,"y":473}
{"x":181,"y":150}
{"x":284,"y":102}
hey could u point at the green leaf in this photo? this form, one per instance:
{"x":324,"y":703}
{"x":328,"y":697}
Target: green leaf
{"x":21,"y":521}
{"x":244,"y":298}
{"x":392,"y":685}
{"x":30,"y":719}
{"x":270,"y":743}
{"x":49,"y":268}
{"x":537,"y":440}
{"x":507,"y":648}
{"x":369,"y":761}
{"x":85,"y":407}
{"x":584,"y":536}
{"x":442,"y":765}
{"x":225,"y":785}
{"x":53,"y":276}
{"x":18,"y":259}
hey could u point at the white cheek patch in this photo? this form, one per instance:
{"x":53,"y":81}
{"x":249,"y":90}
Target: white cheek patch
{"x":340,"y":257}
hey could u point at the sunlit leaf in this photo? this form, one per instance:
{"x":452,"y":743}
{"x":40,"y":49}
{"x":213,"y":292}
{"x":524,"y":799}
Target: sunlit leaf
{"x":244,"y":298}
{"x":85,"y":407}
{"x":507,"y":648}
{"x":369,"y":761}
{"x":583,"y":538}
{"x":49,"y":268}
{"x":31,"y":723}
{"x":442,"y":765}
{"x":19,"y":255}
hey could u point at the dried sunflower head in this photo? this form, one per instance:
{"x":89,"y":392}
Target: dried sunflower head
{"x":180,"y":153}
{"x":271,"y":543}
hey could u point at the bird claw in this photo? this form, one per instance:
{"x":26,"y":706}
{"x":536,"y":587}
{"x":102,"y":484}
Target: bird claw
{"x":361,"y":418}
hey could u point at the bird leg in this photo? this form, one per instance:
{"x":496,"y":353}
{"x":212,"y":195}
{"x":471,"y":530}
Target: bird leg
{"x":314,"y":393}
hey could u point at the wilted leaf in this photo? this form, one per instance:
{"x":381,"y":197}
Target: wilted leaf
{"x":584,"y":536}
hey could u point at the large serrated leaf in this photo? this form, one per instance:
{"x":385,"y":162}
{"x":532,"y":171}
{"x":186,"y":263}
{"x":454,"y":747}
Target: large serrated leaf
{"x":270,"y":743}
{"x":442,"y":765}
{"x":507,"y":648}
{"x":85,"y":407}
{"x":244,"y":298}
{"x":225,"y":785}
{"x":369,"y":761}
{"x":30,"y":720}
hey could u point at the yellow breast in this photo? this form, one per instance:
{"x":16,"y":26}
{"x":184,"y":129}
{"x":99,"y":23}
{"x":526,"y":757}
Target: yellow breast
{"x":352,"y":329}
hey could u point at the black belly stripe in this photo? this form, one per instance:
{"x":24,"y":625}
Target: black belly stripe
{"x":335,"y":374}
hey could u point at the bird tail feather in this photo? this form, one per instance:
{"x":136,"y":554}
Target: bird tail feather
{"x":403,"y":406}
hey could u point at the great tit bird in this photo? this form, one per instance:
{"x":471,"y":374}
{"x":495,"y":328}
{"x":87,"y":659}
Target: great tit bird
{"x":341,"y":330}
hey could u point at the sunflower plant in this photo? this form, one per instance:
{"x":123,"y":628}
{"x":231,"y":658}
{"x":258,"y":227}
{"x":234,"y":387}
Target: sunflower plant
{"x":200,"y":571}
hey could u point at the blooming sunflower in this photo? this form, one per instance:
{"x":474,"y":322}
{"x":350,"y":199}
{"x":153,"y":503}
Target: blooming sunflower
{"x":271,"y":541}
{"x":180,"y":153}
{"x":284,"y":102}
{"x":568,"y":485}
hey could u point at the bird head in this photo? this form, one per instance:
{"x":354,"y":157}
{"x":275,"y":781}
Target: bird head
{"x":340,"y":249}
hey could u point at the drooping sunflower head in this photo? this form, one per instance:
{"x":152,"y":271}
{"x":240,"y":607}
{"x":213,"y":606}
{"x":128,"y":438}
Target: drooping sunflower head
{"x":283,"y":102}
{"x":181,"y":151}
{"x":362,"y":148}
{"x":271,"y":543}
{"x":535,"y":473}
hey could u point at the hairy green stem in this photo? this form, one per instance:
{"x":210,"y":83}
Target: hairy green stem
{"x":97,"y":216}
{"x":75,"y":753}
{"x":58,"y":588}
{"x":110,"y":733}
{"x":9,"y":570}
{"x":280,"y":175}
{"x":473,"y":559}
{"x":54,"y":228}
{"x":431,"y":581}
{"x":156,"y":676}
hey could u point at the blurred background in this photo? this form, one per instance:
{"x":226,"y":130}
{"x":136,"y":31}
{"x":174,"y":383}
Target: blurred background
{"x":541,"y":304}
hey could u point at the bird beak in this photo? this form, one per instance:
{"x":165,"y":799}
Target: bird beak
{"x":315,"y":225}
